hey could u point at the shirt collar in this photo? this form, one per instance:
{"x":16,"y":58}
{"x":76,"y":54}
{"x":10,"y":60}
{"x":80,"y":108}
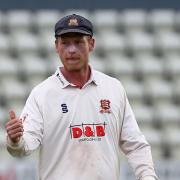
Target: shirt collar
{"x":64,"y":83}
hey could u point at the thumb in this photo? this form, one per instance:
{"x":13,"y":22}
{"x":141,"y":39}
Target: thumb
{"x":12,"y":115}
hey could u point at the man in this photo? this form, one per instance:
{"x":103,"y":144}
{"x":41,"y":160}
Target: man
{"x":79,"y":117}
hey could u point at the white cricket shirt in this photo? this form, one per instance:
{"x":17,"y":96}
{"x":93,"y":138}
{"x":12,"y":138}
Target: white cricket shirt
{"x":80,"y":131}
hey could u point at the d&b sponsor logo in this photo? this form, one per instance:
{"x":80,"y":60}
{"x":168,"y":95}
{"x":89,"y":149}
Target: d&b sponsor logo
{"x":88,"y":132}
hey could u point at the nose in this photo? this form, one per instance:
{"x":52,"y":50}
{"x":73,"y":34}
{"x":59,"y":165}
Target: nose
{"x":72,"y":48}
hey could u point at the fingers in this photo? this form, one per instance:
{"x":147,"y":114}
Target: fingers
{"x":15,"y":136}
{"x":15,"y":131}
{"x":14,"y":127}
{"x":12,"y":115}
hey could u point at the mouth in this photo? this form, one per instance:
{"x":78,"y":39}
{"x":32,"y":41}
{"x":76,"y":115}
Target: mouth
{"x":72,"y":60}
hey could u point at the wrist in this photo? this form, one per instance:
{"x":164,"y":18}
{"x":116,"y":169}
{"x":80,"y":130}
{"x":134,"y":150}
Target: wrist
{"x":13,"y":144}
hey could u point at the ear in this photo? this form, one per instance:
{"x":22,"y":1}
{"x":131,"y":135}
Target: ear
{"x":56,"y":45}
{"x":91,"y":44}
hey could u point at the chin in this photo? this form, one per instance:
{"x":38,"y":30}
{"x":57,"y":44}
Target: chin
{"x":73,"y":68}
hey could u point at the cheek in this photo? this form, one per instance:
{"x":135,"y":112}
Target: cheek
{"x":60,"y":53}
{"x":59,"y":50}
{"x":85,"y":49}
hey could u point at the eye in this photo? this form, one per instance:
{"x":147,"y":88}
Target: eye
{"x":79,"y":41}
{"x":63,"y":42}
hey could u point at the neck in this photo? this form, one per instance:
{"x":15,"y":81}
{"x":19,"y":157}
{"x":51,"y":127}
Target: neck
{"x":78,"y":78}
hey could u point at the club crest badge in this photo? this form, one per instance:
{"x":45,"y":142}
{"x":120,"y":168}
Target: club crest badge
{"x":73,"y":22}
{"x":105,"y":106}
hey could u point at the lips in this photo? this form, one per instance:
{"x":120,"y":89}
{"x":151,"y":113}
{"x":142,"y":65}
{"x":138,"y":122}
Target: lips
{"x":72,"y":60}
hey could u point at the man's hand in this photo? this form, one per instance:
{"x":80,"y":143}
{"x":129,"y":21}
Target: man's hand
{"x":14,"y":128}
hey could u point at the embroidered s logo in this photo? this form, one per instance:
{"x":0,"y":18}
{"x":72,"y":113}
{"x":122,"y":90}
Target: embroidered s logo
{"x":64,"y":108}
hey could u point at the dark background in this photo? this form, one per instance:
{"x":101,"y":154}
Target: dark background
{"x":87,"y":4}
